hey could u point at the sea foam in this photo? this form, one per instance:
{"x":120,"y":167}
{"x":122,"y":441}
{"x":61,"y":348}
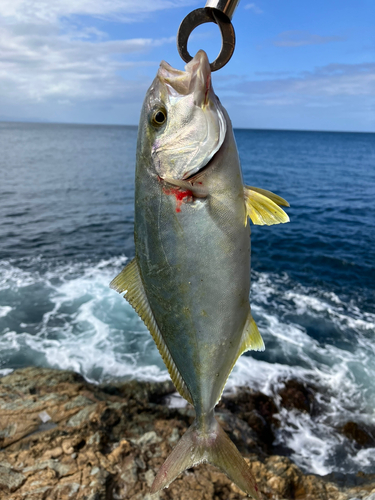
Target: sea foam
{"x":72,"y":320}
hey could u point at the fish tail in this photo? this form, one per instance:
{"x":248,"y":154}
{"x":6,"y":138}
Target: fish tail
{"x":213,"y":446}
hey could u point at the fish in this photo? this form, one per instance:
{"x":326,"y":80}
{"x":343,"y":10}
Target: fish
{"x":190,"y":279}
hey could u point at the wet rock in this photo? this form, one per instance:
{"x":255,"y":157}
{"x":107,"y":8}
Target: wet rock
{"x":257,"y":410}
{"x":361,"y":434}
{"x":146,"y":392}
{"x":296,"y":395}
{"x":107,"y":443}
{"x":243,"y":436}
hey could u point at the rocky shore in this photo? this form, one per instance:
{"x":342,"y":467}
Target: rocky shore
{"x":63,"y":438}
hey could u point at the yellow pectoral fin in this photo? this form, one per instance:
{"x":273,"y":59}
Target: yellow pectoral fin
{"x":130,"y":283}
{"x":263,"y":207}
{"x":269,"y":194}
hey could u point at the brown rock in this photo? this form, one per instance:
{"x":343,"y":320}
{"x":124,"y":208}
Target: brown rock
{"x":10,"y":480}
{"x":54,"y":453}
{"x":257,"y":410}
{"x":297,"y":395}
{"x":359,"y":433}
{"x":106,"y":443}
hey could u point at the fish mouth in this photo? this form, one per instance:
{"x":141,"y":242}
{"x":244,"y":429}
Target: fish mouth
{"x":196,"y":79}
{"x":196,"y":126}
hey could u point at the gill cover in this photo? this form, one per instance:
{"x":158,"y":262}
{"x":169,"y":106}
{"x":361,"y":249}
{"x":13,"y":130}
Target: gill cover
{"x":195,"y":127}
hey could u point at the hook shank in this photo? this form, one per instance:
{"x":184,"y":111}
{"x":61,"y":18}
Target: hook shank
{"x":227,"y":7}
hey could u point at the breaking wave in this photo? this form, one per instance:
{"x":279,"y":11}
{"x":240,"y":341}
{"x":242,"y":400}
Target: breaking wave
{"x":72,"y":320}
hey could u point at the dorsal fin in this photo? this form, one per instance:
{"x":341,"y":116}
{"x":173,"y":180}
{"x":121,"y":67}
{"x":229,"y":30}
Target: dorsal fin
{"x":130,"y":283}
{"x":251,"y":339}
{"x":262,"y":207}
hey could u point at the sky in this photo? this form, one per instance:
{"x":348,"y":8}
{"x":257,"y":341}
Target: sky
{"x":297,"y":64}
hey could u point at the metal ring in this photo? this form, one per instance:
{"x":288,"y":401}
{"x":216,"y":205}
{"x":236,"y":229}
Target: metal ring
{"x":201,"y":16}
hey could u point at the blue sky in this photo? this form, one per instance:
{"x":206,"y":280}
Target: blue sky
{"x":297,"y":64}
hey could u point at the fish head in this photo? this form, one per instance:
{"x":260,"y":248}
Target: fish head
{"x":185,"y":122}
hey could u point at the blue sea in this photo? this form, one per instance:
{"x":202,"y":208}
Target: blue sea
{"x":66,"y":229}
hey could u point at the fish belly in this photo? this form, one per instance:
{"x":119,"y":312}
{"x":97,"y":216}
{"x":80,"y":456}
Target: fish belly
{"x":195,"y":265}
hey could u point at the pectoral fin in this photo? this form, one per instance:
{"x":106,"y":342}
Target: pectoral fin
{"x":130,"y":283}
{"x":262,"y":207}
{"x":269,"y":194}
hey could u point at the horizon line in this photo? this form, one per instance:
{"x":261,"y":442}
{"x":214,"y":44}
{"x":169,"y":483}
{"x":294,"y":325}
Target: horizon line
{"x":46,"y":122}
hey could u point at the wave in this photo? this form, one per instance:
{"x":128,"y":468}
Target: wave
{"x":4,"y":311}
{"x":65,"y":316}
{"x":73,"y":320}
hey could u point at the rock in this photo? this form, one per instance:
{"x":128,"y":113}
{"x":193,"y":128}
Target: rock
{"x":296,"y":395}
{"x":10,"y":480}
{"x":361,"y":434}
{"x":257,"y":410}
{"x":107,"y":443}
{"x":32,"y":392}
{"x":147,"y":439}
{"x":54,"y":453}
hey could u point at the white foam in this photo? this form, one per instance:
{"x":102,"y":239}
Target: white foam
{"x":89,"y":328}
{"x":5,"y":371}
{"x":4,"y":310}
{"x":344,"y":377}
{"x":175,"y":401}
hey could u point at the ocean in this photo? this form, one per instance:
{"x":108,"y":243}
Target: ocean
{"x":66,"y":229}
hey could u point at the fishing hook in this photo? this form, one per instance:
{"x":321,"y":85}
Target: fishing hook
{"x":219,"y":12}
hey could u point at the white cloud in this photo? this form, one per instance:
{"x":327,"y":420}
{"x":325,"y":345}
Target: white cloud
{"x":38,"y":65}
{"x":330,"y":81}
{"x":254,"y":8}
{"x":331,"y":97}
{"x":46,"y":56}
{"x":57,"y":66}
{"x":297,"y":38}
{"x":50,"y":11}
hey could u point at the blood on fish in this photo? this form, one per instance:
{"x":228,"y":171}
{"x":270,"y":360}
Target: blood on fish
{"x":181,"y":196}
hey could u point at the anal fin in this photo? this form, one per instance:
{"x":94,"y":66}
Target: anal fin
{"x":130,"y":283}
{"x":251,"y":339}
{"x":263,"y":208}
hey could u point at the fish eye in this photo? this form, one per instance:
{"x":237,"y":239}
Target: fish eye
{"x":159,"y":117}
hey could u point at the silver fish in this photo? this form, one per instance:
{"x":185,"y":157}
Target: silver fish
{"x":190,"y":279}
